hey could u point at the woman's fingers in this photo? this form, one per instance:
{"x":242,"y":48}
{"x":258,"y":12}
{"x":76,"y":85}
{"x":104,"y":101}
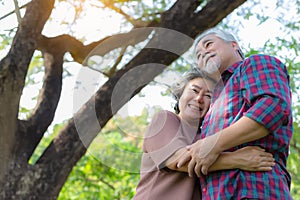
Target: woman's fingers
{"x":266,"y":154}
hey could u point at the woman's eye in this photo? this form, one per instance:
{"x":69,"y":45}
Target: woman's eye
{"x":208,"y":96}
{"x":195,"y":91}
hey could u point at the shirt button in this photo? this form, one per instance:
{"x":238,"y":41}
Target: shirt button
{"x":204,"y":190}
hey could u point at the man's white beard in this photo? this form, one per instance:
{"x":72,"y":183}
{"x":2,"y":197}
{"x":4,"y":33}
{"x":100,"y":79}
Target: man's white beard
{"x":212,"y":66}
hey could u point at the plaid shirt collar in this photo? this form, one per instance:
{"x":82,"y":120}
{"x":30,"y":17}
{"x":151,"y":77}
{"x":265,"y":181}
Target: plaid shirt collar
{"x":229,"y":71}
{"x":225,"y":76}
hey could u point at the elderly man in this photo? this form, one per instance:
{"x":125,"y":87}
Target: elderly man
{"x":251,"y":105}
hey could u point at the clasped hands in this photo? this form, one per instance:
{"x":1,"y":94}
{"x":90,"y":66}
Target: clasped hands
{"x":200,"y":155}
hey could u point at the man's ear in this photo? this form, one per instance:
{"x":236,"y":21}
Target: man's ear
{"x":235,"y":45}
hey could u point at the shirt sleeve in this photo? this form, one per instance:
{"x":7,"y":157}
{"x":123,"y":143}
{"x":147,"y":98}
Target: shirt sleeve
{"x":164,"y":136}
{"x":265,"y":87}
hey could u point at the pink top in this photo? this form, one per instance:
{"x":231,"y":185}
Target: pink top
{"x":164,"y":136}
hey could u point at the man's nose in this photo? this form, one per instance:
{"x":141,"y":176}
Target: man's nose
{"x":206,"y":51}
{"x":200,"y":59}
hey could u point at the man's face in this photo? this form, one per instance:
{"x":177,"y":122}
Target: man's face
{"x":214,"y":55}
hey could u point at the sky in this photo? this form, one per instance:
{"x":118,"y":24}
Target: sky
{"x":107,"y":22}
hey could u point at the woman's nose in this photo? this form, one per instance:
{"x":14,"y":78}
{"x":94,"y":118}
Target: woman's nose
{"x":200,"y":98}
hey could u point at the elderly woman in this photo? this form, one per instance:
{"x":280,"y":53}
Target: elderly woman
{"x":167,"y":136}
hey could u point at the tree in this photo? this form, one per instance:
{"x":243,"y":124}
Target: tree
{"x":19,"y":138}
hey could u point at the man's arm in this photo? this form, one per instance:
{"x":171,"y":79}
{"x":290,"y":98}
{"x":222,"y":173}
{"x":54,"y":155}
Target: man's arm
{"x":244,"y":130}
{"x":250,"y":158}
{"x":206,"y":151}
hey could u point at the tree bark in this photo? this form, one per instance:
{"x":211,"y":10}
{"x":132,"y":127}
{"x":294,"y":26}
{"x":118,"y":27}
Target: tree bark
{"x":13,"y":69}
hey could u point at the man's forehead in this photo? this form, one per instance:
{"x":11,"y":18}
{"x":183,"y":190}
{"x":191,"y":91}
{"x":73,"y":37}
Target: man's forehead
{"x":206,"y":38}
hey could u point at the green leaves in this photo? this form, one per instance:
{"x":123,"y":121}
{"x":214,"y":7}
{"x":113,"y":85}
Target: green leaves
{"x":92,"y":178}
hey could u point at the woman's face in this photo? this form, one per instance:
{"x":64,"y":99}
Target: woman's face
{"x":195,"y":100}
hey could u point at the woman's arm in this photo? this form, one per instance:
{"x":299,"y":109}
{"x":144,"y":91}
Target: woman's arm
{"x":250,"y":158}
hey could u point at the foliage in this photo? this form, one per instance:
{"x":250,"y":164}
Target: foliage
{"x":91,"y":179}
{"x":108,"y":171}
{"x":293,"y":162}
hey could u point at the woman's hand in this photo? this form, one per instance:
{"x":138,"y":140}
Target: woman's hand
{"x":253,"y":158}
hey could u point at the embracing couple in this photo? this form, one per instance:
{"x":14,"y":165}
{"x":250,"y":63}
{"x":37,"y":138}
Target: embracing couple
{"x":230,"y":133}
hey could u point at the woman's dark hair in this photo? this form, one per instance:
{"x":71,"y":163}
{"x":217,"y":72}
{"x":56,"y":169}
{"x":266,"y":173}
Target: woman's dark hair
{"x":177,"y":89}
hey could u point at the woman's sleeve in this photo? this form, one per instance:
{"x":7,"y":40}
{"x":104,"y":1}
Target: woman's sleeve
{"x":164,"y":136}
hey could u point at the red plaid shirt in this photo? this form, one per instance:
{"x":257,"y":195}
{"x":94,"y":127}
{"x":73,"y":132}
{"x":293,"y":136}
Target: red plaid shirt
{"x":257,"y":88}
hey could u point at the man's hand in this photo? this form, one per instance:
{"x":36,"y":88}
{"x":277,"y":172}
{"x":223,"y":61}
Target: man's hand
{"x":184,"y":159}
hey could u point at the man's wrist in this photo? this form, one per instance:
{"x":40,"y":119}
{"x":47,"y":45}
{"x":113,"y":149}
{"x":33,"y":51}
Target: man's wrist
{"x":217,"y":148}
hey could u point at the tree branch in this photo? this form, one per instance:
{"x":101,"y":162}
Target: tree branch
{"x":81,"y":52}
{"x":33,"y":129}
{"x":113,"y":69}
{"x":179,"y":12}
{"x":135,"y":22}
{"x":12,"y":12}
{"x":211,"y":12}
{"x":25,"y":41}
{"x":17,"y":11}
{"x":185,"y":6}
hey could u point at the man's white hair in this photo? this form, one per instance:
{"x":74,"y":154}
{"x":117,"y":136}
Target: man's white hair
{"x":226,"y":36}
